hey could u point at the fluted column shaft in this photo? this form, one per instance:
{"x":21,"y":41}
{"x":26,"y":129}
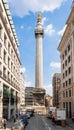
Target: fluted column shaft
{"x":39,"y":62}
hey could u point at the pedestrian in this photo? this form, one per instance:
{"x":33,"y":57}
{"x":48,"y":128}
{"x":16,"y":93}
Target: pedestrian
{"x":4,"y":122}
{"x":14,"y":118}
{"x":53,"y":119}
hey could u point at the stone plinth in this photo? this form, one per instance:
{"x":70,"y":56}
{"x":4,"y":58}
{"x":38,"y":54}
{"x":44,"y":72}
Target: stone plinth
{"x":38,"y":95}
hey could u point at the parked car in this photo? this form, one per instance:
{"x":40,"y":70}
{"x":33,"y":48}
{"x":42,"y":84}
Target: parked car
{"x":24,"y":118}
{"x":72,"y":118}
{"x":18,"y":126}
{"x":28,"y":114}
{"x":30,"y":111}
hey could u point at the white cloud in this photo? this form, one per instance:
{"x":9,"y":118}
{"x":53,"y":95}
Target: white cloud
{"x":52,"y":75}
{"x":48,"y":89}
{"x":55,"y":65}
{"x":22,"y":27}
{"x":28,"y":84}
{"x":62,"y":31}
{"x":43,"y":20}
{"x":49,"y":30}
{"x":23,"y":69}
{"x":23,"y":7}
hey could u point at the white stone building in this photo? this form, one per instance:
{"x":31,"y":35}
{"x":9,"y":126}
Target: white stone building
{"x":66,"y":48}
{"x":9,"y":65}
{"x":22,"y":94}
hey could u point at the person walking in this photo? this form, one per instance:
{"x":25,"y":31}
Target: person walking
{"x":4,"y":122}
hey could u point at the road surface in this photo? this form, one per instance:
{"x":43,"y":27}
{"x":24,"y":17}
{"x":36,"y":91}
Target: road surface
{"x":43,"y":123}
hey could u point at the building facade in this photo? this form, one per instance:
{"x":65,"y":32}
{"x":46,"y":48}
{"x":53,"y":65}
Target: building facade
{"x":56,"y":83}
{"x":66,"y":49}
{"x":9,"y":65}
{"x":22,"y":93}
{"x":48,"y":100}
{"x":29,"y":96}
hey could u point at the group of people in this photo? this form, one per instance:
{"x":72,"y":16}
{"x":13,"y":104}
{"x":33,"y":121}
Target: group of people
{"x":4,"y":122}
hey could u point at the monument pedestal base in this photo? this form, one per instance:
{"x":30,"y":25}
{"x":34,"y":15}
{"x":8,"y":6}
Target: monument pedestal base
{"x":38,"y":100}
{"x":38,"y":95}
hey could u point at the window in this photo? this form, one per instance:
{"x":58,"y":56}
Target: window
{"x":63,"y":66}
{"x":0,"y":68}
{"x":63,"y":56}
{"x":4,"y":56}
{"x":8,"y":62}
{"x":12,"y":67}
{"x":0,"y":30}
{"x":11,"y":78}
{"x":66,"y":83}
{"x":63,"y":85}
{"x":66,"y":72}
{"x":0,"y":50}
{"x":66,"y":63}
{"x":12,"y":53}
{"x":68,"y":48}
{"x":14,"y":58}
{"x":69,"y":70}
{"x":5,"y":40}
{"x":8,"y":48}
{"x":63,"y":104}
{"x":4,"y":72}
{"x":8,"y":76}
{"x":66,"y":94}
{"x":70,"y":81}
{"x":69,"y":59}
{"x":69,"y":93}
{"x":63,"y":94}
{"x":65,"y":52}
{"x":63,"y":76}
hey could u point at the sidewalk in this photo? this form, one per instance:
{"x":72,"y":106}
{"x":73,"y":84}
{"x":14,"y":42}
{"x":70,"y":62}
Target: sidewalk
{"x":70,"y":123}
{"x":9,"y":125}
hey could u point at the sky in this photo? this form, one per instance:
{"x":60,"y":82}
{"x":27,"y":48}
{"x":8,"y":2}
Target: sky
{"x":54,"y":15}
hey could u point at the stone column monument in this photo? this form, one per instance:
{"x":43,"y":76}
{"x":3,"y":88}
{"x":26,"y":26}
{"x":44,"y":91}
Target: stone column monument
{"x":38,"y":91}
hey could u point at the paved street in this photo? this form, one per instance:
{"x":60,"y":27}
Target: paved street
{"x":42,"y":123}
